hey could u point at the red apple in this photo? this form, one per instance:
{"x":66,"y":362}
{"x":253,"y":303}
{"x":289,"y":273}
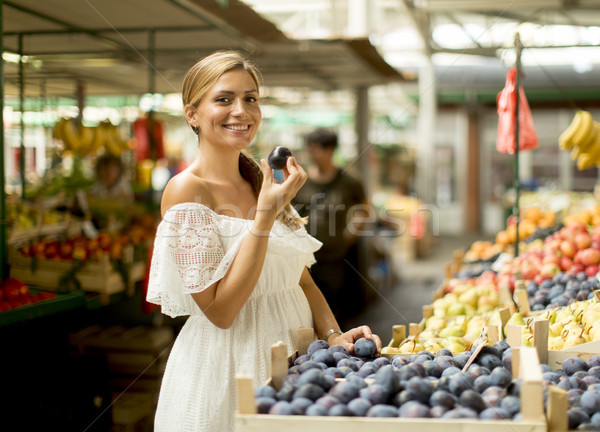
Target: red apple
{"x":568,"y":248}
{"x":566,"y":263}
{"x":548,"y":270}
{"x":4,"y":306}
{"x":590,"y":256}
{"x":582,"y":240}
{"x":15,"y":303}
{"x":551,"y":258}
{"x":591,"y":270}
{"x":576,"y":268}
{"x":538,"y":279}
{"x":11,"y":288}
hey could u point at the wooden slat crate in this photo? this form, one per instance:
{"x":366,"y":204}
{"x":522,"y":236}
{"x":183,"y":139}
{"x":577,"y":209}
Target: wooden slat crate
{"x":532,"y":410}
{"x":97,"y":276}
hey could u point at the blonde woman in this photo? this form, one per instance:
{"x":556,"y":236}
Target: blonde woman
{"x":231,"y":253}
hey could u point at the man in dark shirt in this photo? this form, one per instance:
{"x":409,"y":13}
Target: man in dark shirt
{"x":336,"y":207}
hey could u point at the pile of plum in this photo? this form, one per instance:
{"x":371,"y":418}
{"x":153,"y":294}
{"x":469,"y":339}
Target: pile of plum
{"x":423,"y":385}
{"x":561,"y":290}
{"x":581,"y":380}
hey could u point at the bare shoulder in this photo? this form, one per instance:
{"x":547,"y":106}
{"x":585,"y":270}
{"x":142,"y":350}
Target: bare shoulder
{"x":185,"y":188}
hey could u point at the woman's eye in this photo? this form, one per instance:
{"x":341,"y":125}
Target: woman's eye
{"x":222,"y":100}
{"x":251,"y":99}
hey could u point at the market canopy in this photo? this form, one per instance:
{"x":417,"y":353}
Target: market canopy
{"x":141,"y":46}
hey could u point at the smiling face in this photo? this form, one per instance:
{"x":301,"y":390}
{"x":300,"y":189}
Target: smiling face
{"x":229,"y":112}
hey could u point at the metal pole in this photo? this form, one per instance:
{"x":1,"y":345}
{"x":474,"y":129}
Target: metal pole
{"x":22,"y":121}
{"x":3,"y":248}
{"x":517,"y":210}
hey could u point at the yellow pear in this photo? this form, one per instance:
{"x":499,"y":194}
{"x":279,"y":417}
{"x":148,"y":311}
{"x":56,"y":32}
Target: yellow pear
{"x":515,"y":319}
{"x":555,"y":330}
{"x":451,"y":331}
{"x":556,"y":343}
{"x":469,"y":297}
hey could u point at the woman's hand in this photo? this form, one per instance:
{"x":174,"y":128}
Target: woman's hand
{"x":275,"y":196}
{"x":347,"y":339}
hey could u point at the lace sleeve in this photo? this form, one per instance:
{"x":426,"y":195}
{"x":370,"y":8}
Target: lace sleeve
{"x":188,"y":257}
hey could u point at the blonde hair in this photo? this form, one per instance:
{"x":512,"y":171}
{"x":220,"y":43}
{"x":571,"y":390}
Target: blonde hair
{"x":198,"y":80}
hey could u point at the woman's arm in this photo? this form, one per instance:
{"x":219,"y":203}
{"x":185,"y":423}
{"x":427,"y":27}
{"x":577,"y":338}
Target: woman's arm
{"x":222,"y":301}
{"x":324,"y":320}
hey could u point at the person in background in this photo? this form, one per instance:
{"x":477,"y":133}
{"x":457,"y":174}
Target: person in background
{"x":231,"y":253}
{"x":337,"y":208}
{"x":110,"y":180}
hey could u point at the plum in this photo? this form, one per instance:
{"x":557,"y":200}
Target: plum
{"x":482,"y":383}
{"x":461,"y":360}
{"x":574,"y":364}
{"x":375,"y":393}
{"x":423,"y":389}
{"x":301,"y":359}
{"x":340,"y":410}
{"x":381,"y":361}
{"x":414,"y":409}
{"x":382,"y":410}
{"x":411,"y":370}
{"x":348,"y":362}
{"x":337,"y":356}
{"x":329,"y":382}
{"x":323,"y":356}
{"x":501,"y":377}
{"x":357,"y":380}
{"x":339,"y":349}
{"x":459,"y":383}
{"x":432,"y":368}
{"x":489,"y":361}
{"x":595,"y":420}
{"x":316,"y":346}
{"x":437,"y":411}
{"x":442,"y":398}
{"x":327,"y":401}
{"x":444,"y":352}
{"x":286,"y":393}
{"x":387,"y":377}
{"x":312,"y":376}
{"x":366,"y":370}
{"x":452,"y":370}
{"x":460,"y":412}
{"x":590,"y":402}
{"x":264,"y":404}
{"x":473,"y":400}
{"x":278,"y":157}
{"x":445,"y":362}
{"x":300,"y":405}
{"x":512,"y":404}
{"x":345,"y":391}
{"x":364,"y":347}
{"x":577,"y":416}
{"x":309,"y":391}
{"x":398,"y":361}
{"x":359,"y":406}
{"x":492,"y":396}
{"x":265,"y":391}
{"x":309,"y":365}
{"x":316,"y":410}
{"x":335,"y":372}
{"x":494,"y":413}
{"x":281,"y":408}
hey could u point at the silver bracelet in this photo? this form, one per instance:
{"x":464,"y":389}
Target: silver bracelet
{"x":330,"y":332}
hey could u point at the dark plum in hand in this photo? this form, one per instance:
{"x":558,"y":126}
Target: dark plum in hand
{"x":365,"y":347}
{"x":278,"y":157}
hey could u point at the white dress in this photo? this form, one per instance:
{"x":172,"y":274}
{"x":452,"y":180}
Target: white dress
{"x":194,"y":248}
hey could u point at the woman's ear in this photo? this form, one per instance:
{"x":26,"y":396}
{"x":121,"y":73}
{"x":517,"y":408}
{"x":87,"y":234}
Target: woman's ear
{"x":190,"y":113}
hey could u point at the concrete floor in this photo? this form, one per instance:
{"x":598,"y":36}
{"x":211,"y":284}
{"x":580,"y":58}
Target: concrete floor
{"x":416,"y":280}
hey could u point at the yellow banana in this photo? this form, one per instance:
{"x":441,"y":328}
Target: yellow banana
{"x":69,"y":135}
{"x":565,"y":140}
{"x":86,"y":139}
{"x":99,"y":137}
{"x":582,"y":138}
{"x":591,"y":157}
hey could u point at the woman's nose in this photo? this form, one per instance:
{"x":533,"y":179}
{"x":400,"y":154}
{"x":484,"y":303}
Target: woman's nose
{"x":239,"y":107}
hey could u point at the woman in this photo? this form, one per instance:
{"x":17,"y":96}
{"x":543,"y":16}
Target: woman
{"x":231,"y":253}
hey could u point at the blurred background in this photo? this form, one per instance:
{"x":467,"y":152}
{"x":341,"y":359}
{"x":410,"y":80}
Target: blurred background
{"x":410,"y":88}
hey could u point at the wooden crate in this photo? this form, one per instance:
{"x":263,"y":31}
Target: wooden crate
{"x":247,"y":420}
{"x":100,"y":276}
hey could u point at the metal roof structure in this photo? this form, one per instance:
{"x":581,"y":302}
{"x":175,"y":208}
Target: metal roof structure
{"x":146,"y":46}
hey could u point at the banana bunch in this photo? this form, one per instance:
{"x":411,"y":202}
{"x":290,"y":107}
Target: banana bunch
{"x":582,"y":137}
{"x":83,"y":140}
{"x":75,"y":137}
{"x":113,"y":143}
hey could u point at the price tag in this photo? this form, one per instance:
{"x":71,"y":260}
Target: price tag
{"x":479,"y":344}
